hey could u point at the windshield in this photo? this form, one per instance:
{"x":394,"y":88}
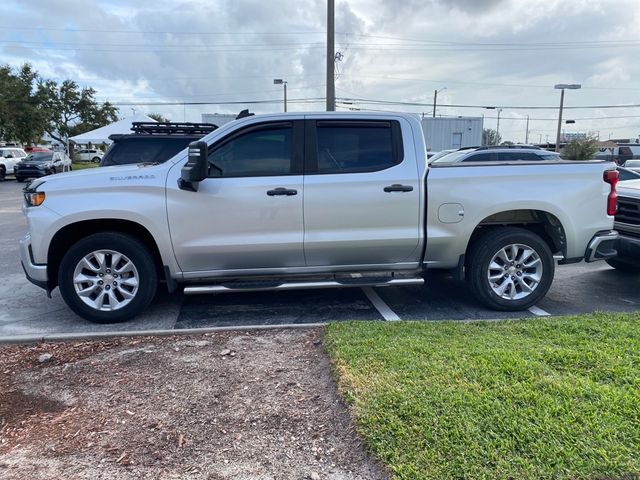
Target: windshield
{"x":40,"y":157}
{"x":440,"y":155}
{"x":452,"y":157}
{"x":632,"y":163}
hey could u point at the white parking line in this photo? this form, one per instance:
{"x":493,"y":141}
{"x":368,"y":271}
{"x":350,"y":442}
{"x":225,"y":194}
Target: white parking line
{"x":539,"y":312}
{"x":382,"y":307}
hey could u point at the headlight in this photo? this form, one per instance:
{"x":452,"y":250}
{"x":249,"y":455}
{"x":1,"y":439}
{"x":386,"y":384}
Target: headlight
{"x":34,"y":199}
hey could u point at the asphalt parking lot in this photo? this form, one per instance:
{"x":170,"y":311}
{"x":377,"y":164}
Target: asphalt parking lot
{"x":26,"y":310}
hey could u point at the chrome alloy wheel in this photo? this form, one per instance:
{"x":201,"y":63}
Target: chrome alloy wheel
{"x":106,"y":280}
{"x":515,"y":271}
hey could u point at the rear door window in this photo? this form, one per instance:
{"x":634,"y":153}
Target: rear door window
{"x":350,"y":147}
{"x":481,"y":157}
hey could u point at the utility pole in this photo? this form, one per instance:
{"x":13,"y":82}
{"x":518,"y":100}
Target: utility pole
{"x":498,"y":126}
{"x":331,"y":86}
{"x":526,"y":135}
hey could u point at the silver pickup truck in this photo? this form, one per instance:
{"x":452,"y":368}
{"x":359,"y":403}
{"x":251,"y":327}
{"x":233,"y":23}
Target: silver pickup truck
{"x":288,"y":201}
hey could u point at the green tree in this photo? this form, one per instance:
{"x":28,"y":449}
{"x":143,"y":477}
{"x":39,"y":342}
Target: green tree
{"x":158,"y":117}
{"x":21,"y":118}
{"x":70,"y":110}
{"x":580,"y":149}
{"x":491,"y":137}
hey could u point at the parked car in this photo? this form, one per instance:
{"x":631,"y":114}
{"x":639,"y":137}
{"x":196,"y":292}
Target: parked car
{"x":632,"y":165}
{"x":439,"y":154}
{"x":627,"y":174}
{"x":304,"y":200}
{"x":9,"y":158}
{"x":89,"y":155}
{"x":506,"y":154}
{"x":153,"y":142}
{"x":627,"y":223}
{"x":29,"y":150}
{"x":39,"y":164}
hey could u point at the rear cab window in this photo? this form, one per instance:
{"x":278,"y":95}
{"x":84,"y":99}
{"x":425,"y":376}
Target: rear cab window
{"x":353,"y":146}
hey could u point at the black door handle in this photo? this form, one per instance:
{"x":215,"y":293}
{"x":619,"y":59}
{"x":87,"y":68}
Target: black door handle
{"x":396,"y":187}
{"x":282,"y":191}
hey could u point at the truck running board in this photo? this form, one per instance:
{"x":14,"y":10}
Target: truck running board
{"x":271,"y":286}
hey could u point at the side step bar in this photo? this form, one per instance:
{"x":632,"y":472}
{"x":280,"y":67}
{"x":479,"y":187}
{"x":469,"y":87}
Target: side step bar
{"x":256,"y":287}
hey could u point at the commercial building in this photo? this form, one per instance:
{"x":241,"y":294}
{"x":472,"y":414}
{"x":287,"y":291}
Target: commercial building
{"x":444,"y":133}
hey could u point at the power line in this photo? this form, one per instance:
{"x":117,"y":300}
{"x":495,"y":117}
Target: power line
{"x":159,"y":32}
{"x":512,"y":107}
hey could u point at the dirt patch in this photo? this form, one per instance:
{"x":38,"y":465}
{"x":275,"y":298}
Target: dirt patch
{"x":217,"y":406}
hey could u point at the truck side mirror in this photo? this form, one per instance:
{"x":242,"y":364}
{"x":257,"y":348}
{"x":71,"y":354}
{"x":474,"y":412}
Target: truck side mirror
{"x":197,"y":167}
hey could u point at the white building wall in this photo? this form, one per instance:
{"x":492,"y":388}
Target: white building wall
{"x":218,"y":119}
{"x":442,"y":133}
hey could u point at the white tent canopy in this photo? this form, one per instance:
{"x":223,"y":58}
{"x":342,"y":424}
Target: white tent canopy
{"x":101,"y":135}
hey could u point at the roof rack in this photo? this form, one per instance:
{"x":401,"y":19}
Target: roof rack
{"x":487,"y":147}
{"x":172,"y":128}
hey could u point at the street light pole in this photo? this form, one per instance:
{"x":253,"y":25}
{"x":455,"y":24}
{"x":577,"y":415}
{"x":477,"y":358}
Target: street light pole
{"x":498,"y":127}
{"x":526,"y":135}
{"x":279,"y":81}
{"x":435,"y":99}
{"x":562,"y":87}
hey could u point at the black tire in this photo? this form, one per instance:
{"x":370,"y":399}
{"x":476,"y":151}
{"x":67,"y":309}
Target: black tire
{"x":3,"y":173}
{"x":95,"y":159}
{"x":136,"y":252}
{"x":624,"y":264}
{"x":481,"y":253}
{"x":19,"y":179}
{"x":53,"y":170}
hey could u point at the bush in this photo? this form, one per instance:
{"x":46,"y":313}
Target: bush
{"x":580,"y":149}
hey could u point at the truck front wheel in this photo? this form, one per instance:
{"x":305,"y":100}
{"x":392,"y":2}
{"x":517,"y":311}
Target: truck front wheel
{"x":108,"y":277}
{"x":509,"y":268}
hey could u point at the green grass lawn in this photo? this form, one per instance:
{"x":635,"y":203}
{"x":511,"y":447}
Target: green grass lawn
{"x":543,"y":398}
{"x":83,"y":165}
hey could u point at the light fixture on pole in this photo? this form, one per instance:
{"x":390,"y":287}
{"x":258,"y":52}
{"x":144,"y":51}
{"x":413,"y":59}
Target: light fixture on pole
{"x":435,"y":99}
{"x":279,"y":81}
{"x":562,"y":87}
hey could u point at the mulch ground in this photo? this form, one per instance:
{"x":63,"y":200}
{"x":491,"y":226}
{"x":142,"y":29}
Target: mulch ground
{"x":233,"y":405}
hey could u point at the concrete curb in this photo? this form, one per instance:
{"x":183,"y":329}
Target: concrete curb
{"x":65,"y":337}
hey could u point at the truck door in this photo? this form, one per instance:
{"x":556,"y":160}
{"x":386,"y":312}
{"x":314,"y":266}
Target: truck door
{"x":248,"y":213}
{"x":362,"y":193}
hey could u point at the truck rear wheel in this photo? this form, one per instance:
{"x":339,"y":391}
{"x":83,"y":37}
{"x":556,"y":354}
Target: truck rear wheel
{"x":509,"y":268}
{"x":108,"y":277}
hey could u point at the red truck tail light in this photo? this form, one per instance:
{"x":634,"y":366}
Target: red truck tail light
{"x":612,"y":177}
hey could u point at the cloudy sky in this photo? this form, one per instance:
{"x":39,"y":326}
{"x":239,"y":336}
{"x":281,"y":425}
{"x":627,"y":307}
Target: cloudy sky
{"x":394,"y":54}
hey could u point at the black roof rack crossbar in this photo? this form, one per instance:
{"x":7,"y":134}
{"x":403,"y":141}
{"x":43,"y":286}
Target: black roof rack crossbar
{"x":487,"y":147}
{"x":172,"y":128}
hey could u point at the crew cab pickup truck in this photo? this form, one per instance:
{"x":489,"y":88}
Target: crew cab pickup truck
{"x":289,"y":201}
{"x":627,"y":223}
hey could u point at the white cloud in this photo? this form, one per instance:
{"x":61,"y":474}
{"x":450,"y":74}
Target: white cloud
{"x":157,"y":64}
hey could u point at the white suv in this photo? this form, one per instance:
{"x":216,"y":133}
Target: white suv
{"x":89,"y":155}
{"x":9,"y":158}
